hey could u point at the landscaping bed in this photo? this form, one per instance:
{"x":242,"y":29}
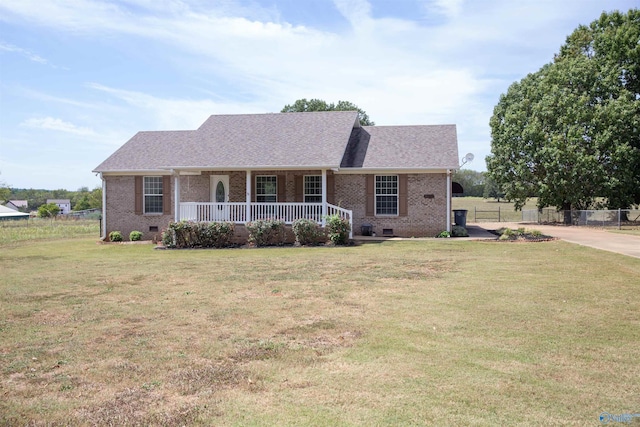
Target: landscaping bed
{"x":520,"y":235}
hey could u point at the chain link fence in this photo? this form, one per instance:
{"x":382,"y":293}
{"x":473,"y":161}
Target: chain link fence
{"x":591,"y":218}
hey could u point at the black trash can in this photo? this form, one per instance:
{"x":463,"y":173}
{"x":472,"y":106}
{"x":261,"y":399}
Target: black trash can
{"x":460,"y":217}
{"x":366,"y":229}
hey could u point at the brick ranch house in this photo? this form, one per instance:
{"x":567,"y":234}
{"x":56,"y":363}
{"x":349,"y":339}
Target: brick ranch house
{"x":391,"y":180}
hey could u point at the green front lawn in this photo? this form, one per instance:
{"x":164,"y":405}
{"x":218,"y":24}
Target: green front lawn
{"x":397,"y":333}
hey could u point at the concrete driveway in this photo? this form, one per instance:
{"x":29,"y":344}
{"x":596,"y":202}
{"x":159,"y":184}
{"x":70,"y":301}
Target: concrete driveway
{"x":625,"y":244}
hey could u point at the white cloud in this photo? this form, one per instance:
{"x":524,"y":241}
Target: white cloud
{"x":357,"y":12}
{"x":449,"y":8}
{"x":7,"y":47}
{"x":246,"y":58}
{"x":50,"y":123}
{"x":174,"y":114}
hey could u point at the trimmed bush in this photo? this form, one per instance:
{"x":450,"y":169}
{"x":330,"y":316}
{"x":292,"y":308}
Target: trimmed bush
{"x":135,"y":236}
{"x":115,"y":236}
{"x":338,"y":230}
{"x":459,"y":231}
{"x":443,"y":235}
{"x":216,"y":234}
{"x":190,"y":234}
{"x":307,"y":231}
{"x":169,"y":237}
{"x":268,"y":232}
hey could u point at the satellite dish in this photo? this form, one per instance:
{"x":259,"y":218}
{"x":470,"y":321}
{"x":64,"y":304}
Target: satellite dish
{"x":467,"y":158}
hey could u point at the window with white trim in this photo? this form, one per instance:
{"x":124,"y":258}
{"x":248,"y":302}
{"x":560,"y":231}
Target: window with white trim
{"x":386,"y":194}
{"x":266,"y":189}
{"x":152,"y":190}
{"x":313,"y":189}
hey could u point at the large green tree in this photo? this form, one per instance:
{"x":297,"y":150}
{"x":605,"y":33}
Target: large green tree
{"x":570,"y":132}
{"x":303,"y":105}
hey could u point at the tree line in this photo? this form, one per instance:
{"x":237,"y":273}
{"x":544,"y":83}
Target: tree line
{"x":477,"y":184}
{"x":81,"y":199}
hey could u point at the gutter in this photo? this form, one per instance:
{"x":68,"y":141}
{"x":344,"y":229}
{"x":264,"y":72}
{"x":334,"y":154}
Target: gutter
{"x":347,"y":171}
{"x":169,"y":170}
{"x":338,"y":170}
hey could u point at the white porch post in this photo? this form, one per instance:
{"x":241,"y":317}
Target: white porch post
{"x":176,"y":196}
{"x":324,"y":197}
{"x":449,"y":200}
{"x":248,"y":207}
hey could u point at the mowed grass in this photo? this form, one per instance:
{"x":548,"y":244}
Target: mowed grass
{"x":396,"y":333}
{"x":47,"y":228}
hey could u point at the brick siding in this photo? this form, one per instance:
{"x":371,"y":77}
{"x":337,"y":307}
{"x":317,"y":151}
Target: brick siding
{"x":121,"y":216}
{"x":426,"y":215}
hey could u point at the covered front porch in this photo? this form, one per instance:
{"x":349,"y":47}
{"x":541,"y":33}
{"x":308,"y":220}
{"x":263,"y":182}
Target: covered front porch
{"x":260,"y":202}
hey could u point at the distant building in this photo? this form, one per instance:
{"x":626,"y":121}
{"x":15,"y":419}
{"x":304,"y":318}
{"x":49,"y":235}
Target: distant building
{"x":18,"y":205}
{"x":7,"y":213}
{"x":63,"y":204}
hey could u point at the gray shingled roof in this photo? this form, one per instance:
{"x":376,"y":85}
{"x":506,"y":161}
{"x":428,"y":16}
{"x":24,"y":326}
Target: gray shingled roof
{"x":281,"y":140}
{"x":405,"y":147}
{"x":288,"y":140}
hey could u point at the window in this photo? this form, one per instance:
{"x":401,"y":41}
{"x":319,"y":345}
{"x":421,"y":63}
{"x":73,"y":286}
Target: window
{"x":313,"y":189}
{"x":386,"y":194}
{"x":266,"y":189}
{"x":152,"y":194}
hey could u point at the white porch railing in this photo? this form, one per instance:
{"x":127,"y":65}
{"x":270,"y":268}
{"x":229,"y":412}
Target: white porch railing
{"x":213,"y":212}
{"x":237,"y":212}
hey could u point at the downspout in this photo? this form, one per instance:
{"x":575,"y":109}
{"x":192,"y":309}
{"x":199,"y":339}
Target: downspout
{"x":104,"y":208}
{"x":449,"y":200}
{"x":324,"y":197}
{"x":176,"y":196}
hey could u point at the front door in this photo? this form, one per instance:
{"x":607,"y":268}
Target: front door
{"x":220,"y":194}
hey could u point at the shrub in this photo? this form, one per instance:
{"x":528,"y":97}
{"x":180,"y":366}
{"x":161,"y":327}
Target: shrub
{"x":338,"y":229}
{"x":505,"y":234}
{"x":115,"y":236}
{"x":216,"y":234}
{"x":443,"y":235}
{"x":48,"y":211}
{"x":268,"y":232}
{"x":189,"y":234}
{"x":135,"y":236}
{"x":307,"y":231}
{"x":459,"y":231}
{"x":169,"y":237}
{"x":536,"y":233}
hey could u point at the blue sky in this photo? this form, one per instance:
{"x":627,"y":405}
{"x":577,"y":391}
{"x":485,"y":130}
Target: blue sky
{"x":78,"y":78}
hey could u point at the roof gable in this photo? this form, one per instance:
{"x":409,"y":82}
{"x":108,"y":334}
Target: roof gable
{"x":279,"y":140}
{"x":148,"y":151}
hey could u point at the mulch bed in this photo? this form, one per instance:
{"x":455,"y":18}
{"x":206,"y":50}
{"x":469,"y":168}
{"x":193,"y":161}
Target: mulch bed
{"x":521,"y":237}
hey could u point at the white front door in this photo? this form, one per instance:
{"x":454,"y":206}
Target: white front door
{"x":220,"y":194}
